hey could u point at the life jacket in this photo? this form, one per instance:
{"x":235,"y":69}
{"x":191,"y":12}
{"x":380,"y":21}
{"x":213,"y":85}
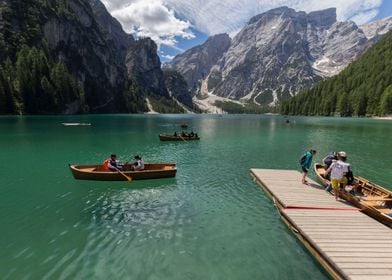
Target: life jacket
{"x":106,"y":165}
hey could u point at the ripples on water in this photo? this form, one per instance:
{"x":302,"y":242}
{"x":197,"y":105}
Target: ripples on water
{"x":142,"y":214}
{"x":210,"y":222}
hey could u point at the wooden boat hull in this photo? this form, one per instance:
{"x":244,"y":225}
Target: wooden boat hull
{"x":96,"y":172}
{"x":371,"y":198}
{"x":167,"y":137}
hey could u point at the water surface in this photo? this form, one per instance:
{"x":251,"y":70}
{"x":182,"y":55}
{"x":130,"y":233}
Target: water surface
{"x":210,"y":222}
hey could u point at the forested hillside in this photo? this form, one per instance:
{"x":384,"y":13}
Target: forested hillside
{"x":364,"y":88}
{"x":71,"y":56}
{"x":31,"y":79}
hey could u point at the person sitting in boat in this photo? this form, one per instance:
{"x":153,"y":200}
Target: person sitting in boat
{"x":329,"y":159}
{"x":183,"y":134}
{"x":139,"y":164}
{"x":175,"y":134}
{"x":192,"y":134}
{"x":112,"y":164}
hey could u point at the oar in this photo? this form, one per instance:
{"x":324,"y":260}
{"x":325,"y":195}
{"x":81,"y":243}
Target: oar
{"x":129,"y":178}
{"x":182,"y":138}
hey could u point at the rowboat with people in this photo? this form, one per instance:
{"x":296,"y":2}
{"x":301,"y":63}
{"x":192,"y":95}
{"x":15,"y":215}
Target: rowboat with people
{"x":98,"y":172}
{"x":178,"y":137}
{"x":371,"y":198}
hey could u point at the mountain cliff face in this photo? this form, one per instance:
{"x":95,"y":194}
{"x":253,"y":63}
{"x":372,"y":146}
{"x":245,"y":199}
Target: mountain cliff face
{"x":144,"y":66}
{"x":195,"y":63}
{"x":279,"y":53}
{"x":377,"y":28}
{"x":72,"y":56}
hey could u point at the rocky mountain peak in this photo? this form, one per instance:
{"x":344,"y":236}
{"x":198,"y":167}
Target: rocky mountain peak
{"x":376,"y":28}
{"x":324,"y":18}
{"x":195,"y":63}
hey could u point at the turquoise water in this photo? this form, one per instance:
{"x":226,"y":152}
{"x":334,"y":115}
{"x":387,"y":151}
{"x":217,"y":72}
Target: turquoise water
{"x":210,"y":222}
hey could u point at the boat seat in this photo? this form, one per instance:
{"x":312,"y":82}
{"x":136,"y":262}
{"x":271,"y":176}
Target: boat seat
{"x":375,"y":204}
{"x":90,"y":169}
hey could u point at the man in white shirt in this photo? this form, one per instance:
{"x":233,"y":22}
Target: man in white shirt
{"x":338,"y":170}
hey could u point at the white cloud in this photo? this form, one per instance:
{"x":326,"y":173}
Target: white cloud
{"x":364,"y":17}
{"x":159,"y":19}
{"x":150,"y":19}
{"x":167,"y":56}
{"x":212,"y":16}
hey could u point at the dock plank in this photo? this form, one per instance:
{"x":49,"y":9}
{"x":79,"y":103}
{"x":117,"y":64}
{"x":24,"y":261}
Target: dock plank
{"x":348,"y":243}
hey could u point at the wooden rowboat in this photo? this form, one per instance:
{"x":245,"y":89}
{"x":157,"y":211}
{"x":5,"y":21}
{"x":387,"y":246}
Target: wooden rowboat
{"x":76,"y":124}
{"x":371,"y":198}
{"x":169,"y":137}
{"x":97,"y":172}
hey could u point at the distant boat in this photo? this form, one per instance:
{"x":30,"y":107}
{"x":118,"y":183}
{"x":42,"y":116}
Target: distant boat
{"x":76,"y":124}
{"x":179,"y":137}
{"x":371,"y":198}
{"x":184,"y":125}
{"x":98,"y":173}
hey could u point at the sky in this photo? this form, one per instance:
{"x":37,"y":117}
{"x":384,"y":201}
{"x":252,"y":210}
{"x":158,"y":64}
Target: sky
{"x":177,"y":25}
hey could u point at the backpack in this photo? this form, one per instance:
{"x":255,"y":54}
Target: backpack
{"x":302,"y":159}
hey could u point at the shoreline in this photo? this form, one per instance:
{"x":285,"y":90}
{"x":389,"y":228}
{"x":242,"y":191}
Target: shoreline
{"x":383,"y":118}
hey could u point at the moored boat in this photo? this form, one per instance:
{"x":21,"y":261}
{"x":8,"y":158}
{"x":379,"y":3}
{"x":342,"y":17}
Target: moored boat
{"x":371,"y":198}
{"x":76,"y":124}
{"x":170,"y":137}
{"x":97,"y":172}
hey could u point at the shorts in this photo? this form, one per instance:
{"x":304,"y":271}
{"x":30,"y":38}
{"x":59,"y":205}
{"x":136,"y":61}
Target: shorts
{"x":304,"y":169}
{"x":336,"y":182}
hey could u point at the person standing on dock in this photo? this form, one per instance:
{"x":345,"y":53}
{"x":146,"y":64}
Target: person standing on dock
{"x":306,"y":162}
{"x":338,"y":170}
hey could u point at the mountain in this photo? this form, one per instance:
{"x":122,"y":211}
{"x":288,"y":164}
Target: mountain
{"x":377,"y":28}
{"x":276,"y":55}
{"x":364,"y":88}
{"x":195,"y":63}
{"x":72,"y":56}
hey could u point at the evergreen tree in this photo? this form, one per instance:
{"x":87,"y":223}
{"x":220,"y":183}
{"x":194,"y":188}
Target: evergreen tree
{"x":386,"y":101}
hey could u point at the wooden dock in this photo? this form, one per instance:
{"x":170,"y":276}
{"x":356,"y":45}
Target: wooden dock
{"x":346,"y":242}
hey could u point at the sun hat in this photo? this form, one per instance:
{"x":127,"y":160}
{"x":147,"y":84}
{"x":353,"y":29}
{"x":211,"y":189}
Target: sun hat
{"x":342,"y":154}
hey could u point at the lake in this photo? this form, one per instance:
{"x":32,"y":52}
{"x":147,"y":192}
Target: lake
{"x":210,"y":222}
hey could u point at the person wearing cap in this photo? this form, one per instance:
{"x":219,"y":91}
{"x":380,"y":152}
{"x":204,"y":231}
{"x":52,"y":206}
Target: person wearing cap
{"x":139,"y":164}
{"x":338,"y":170}
{"x":112,"y":164}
